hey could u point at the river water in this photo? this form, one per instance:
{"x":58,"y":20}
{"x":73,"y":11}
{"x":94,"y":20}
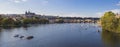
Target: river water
{"x":58,"y":35}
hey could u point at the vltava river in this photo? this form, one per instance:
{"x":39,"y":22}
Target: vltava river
{"x":59,"y":35}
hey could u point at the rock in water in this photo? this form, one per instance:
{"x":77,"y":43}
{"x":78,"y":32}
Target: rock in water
{"x":21,"y":36}
{"x":98,"y":30}
{"x":30,"y":37}
{"x":16,"y":35}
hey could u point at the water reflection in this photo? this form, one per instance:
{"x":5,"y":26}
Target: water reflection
{"x":111,"y":39}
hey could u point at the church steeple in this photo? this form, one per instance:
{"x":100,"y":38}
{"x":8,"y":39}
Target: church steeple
{"x":26,"y":12}
{"x":29,"y":13}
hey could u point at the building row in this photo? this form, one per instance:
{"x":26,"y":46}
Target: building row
{"x":51,"y":19}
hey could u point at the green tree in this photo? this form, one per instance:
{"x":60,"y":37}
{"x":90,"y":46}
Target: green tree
{"x":34,"y":21}
{"x":109,"y":22}
{"x":27,"y":21}
{"x":44,"y":21}
{"x":7,"y":22}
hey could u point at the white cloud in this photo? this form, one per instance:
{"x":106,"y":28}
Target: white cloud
{"x":102,"y":13}
{"x":99,"y":14}
{"x":18,"y":1}
{"x":118,"y":4}
{"x":44,"y":2}
{"x":115,"y":10}
{"x":24,"y":0}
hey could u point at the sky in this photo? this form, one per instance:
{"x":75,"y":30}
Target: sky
{"x":65,"y":8}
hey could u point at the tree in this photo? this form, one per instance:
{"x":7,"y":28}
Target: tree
{"x":109,"y":21}
{"x":27,"y":21}
{"x":7,"y":22}
{"x":44,"y":21}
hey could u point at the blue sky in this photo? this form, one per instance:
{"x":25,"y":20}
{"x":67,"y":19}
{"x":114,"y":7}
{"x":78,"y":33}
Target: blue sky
{"x":71,"y":8}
